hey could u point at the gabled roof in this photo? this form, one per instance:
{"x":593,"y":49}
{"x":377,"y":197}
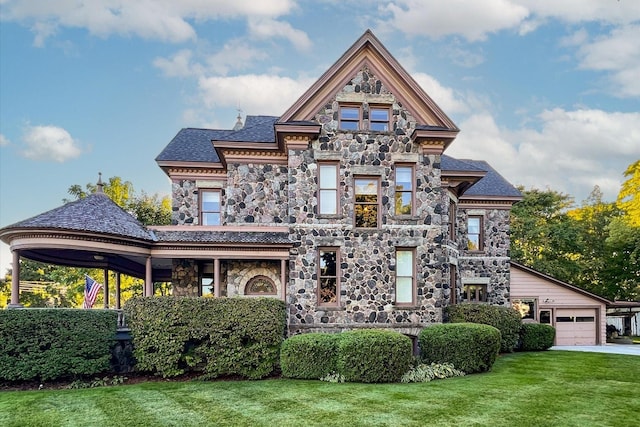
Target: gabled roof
{"x":192,"y":145}
{"x":559,"y":282}
{"x":255,"y":129}
{"x":368,"y":51}
{"x":96,"y":213}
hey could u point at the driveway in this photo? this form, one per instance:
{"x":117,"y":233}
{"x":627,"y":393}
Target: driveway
{"x":630,"y":349}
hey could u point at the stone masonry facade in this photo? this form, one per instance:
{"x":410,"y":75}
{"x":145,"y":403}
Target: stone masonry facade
{"x":267,"y":194}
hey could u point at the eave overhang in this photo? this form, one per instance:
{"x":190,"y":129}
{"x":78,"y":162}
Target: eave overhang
{"x":488,"y":202}
{"x":460,"y":181}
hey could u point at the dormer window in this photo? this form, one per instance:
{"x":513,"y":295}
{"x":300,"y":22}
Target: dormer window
{"x":351,"y":117}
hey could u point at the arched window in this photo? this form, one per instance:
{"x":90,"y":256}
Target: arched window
{"x":260,"y":285}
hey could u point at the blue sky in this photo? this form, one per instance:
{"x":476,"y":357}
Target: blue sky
{"x":547,"y":91}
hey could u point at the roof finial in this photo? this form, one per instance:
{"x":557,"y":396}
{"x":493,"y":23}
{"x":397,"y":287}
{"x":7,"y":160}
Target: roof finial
{"x":99,"y":189}
{"x":238,"y":124}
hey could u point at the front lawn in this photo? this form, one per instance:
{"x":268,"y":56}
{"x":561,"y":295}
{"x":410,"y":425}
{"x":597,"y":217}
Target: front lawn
{"x":553,"y":388}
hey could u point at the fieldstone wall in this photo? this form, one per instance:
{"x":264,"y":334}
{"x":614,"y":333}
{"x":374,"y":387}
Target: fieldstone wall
{"x":256,"y":194}
{"x":493,"y":261}
{"x":367,"y":257}
{"x":240,"y":272}
{"x":184,"y":202}
{"x":184,"y":278}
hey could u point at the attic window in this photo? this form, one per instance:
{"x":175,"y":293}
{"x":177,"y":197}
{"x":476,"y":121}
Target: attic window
{"x":351,"y":117}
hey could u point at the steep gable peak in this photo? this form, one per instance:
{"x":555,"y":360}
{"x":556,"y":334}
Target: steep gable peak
{"x":368,"y":54}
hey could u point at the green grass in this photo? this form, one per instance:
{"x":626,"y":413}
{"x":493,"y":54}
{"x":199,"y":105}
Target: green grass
{"x":636,"y":340}
{"x":553,"y":388}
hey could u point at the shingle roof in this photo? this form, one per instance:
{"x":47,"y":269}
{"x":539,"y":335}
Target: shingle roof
{"x":193,"y":145}
{"x":255,"y":129}
{"x":198,"y":236}
{"x":448,"y":163}
{"x":197,"y":145}
{"x":492,"y":184}
{"x":95,"y":213}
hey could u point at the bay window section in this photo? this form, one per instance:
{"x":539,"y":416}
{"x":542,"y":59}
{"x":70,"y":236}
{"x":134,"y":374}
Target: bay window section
{"x":404,"y":276}
{"x":210,"y":207}
{"x":328,"y":189}
{"x":404,"y":190}
{"x":328,"y":277}
{"x":367,"y":202}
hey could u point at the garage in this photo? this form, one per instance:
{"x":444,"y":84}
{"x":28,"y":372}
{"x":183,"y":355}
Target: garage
{"x":575,"y":326}
{"x":578,"y":316}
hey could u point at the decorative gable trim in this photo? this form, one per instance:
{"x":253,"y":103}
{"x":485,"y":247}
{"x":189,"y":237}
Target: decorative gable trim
{"x":368,"y":52}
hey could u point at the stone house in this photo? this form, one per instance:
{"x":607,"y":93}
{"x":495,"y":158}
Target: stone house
{"x":346,"y":206}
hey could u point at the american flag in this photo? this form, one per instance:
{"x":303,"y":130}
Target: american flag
{"x":91,"y":289}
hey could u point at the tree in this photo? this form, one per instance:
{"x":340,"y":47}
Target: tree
{"x":629,"y":196}
{"x":543,"y":236}
{"x":64,"y":286}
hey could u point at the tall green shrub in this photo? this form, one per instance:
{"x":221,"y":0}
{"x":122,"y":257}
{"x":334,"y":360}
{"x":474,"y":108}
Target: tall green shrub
{"x":216,"y":337}
{"x":309,"y":356}
{"x":506,"y":319}
{"x":536,"y":336}
{"x":51,"y":344}
{"x":374,"y":356}
{"x":470,"y":347}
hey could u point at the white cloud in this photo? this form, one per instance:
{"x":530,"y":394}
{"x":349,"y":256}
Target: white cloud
{"x":569,"y":151}
{"x":618,"y":53}
{"x":178,"y":65}
{"x":578,"y":11}
{"x":50,"y":143}
{"x":473,"y":20}
{"x":4,"y":140}
{"x":269,"y":28}
{"x":254,"y":93}
{"x":444,"y":96}
{"x":235,"y":55}
{"x":165,"y":20}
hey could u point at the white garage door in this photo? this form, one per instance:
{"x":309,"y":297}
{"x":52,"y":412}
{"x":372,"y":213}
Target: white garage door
{"x":575,"y":326}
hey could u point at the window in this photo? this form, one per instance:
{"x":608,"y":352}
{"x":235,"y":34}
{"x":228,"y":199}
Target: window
{"x":206,"y":279}
{"x":367,"y":205}
{"x":349,"y":118}
{"x":474,"y":293}
{"x":329,"y":286}
{"x":328,"y":189}
{"x":404,"y":276}
{"x":474,"y":233}
{"x":260,"y":285}
{"x":545,"y":316}
{"x":404,"y":190}
{"x":379,"y":119}
{"x":526,"y":307}
{"x":210,"y":207}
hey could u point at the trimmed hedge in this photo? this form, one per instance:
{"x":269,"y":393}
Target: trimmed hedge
{"x":507,"y":320}
{"x":52,"y":344}
{"x":214,"y":336}
{"x":374,"y":356}
{"x":536,"y":337}
{"x":470,"y":347}
{"x":309,"y":356}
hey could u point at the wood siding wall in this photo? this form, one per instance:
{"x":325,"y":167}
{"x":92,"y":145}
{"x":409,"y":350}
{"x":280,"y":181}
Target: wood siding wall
{"x":553,"y":296}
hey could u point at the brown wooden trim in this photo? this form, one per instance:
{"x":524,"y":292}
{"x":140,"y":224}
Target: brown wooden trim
{"x":413,"y":277}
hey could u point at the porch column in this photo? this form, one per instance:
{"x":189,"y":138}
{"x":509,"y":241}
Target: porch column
{"x":106,"y":287}
{"x":117,"y":291}
{"x":283,"y":279}
{"x":148,"y":281}
{"x":15,"y":281}
{"x":216,"y":277}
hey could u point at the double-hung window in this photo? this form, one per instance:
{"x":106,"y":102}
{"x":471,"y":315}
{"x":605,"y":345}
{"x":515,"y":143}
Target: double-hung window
{"x":474,"y":293}
{"x":328,"y":188}
{"x":367,"y":202}
{"x":379,"y":119}
{"x":328,"y":277}
{"x":210,"y":207}
{"x":404,"y":276}
{"x":349,"y":117}
{"x":404,"y":190}
{"x":474,"y":233}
